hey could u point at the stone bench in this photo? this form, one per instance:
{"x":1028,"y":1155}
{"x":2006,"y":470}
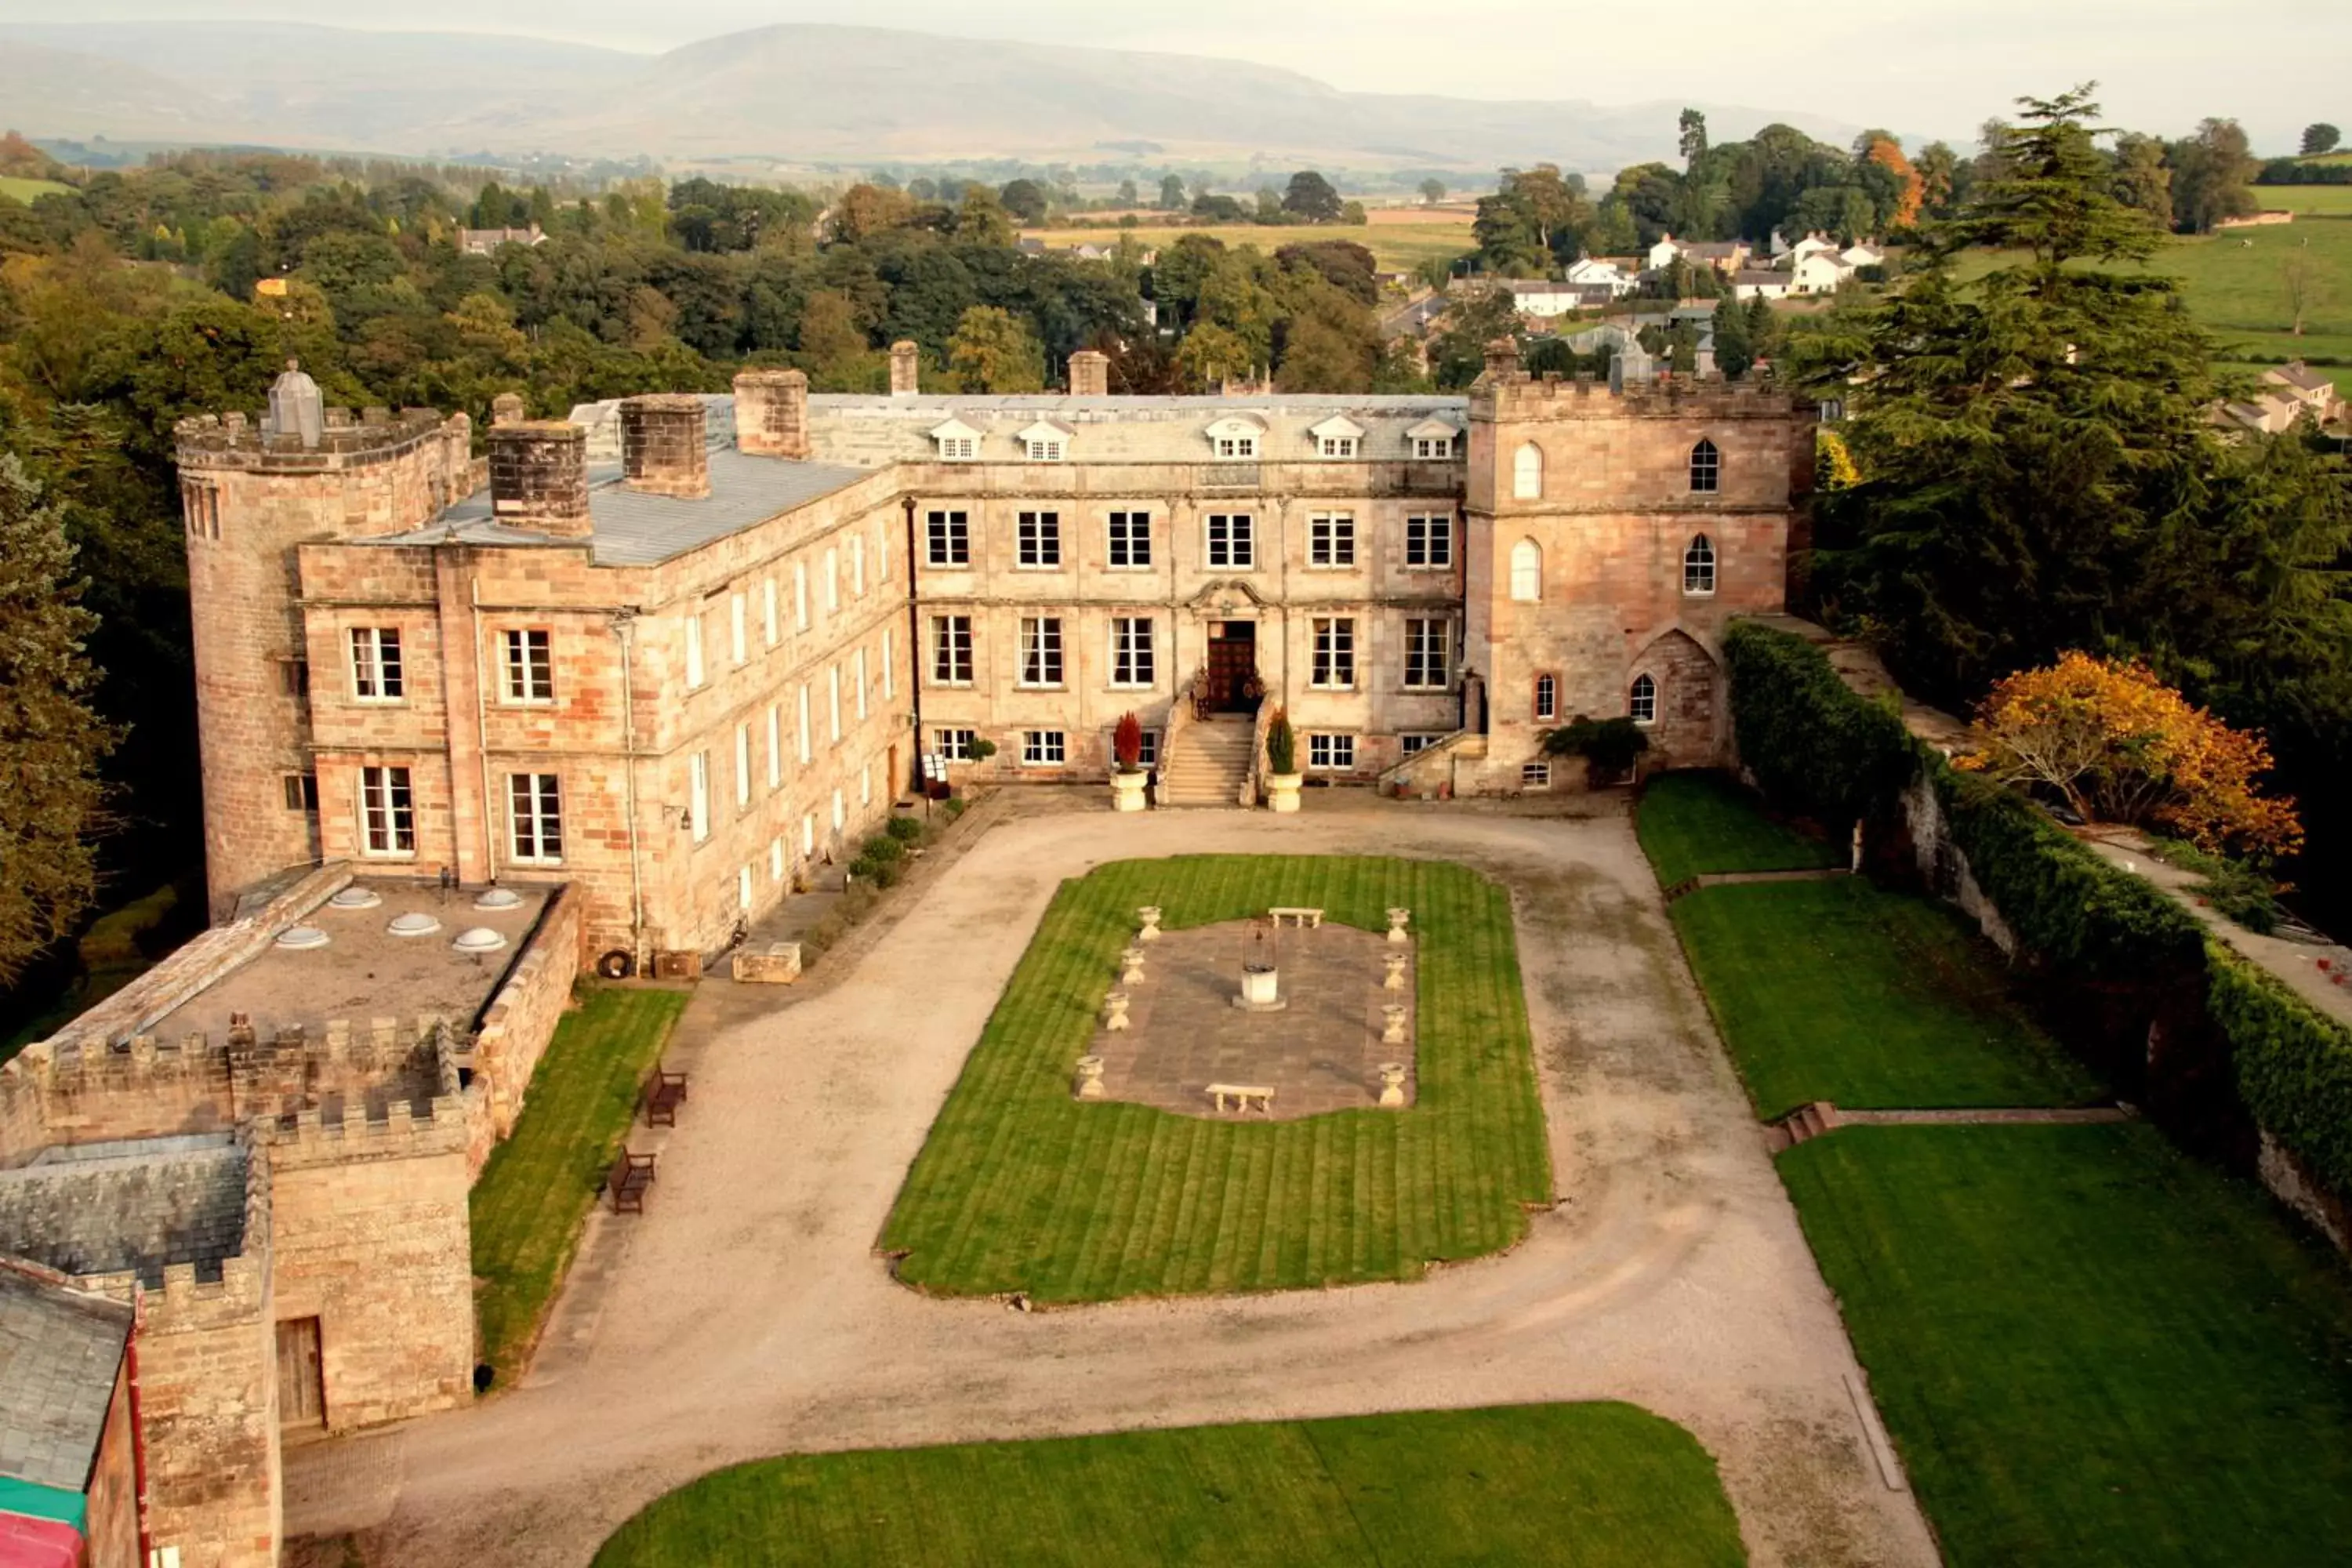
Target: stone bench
{"x":1241,"y":1094}
{"x":777,"y":963}
{"x":1297,"y":917}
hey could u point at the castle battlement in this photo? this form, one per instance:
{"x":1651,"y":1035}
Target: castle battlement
{"x":235,"y":440}
{"x":1518,"y":396}
{"x":309,"y":1136}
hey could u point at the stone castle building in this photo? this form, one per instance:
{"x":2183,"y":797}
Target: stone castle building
{"x":685,"y":680}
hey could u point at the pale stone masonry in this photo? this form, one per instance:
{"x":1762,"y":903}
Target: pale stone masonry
{"x":685,"y":683}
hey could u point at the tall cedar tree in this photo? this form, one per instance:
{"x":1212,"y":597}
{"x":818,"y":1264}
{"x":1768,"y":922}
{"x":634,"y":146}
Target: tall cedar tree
{"x":50,"y":741}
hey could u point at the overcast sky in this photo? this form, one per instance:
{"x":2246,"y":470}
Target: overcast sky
{"x":1937,"y":68}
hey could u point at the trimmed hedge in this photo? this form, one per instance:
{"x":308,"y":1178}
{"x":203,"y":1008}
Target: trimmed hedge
{"x":2294,"y":1064}
{"x":1813,"y":745}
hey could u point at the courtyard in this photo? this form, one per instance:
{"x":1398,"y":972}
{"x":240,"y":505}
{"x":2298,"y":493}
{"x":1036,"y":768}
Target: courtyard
{"x":753,"y":1311}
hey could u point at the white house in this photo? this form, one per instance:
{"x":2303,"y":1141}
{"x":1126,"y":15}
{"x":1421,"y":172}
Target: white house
{"x":1726,"y":255}
{"x":1760,"y":283}
{"x":1595,"y":272}
{"x":1816,"y":272}
{"x":1863,"y":254}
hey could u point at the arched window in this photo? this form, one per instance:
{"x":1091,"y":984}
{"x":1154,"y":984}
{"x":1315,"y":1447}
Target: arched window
{"x":1527,"y":473}
{"x":1642,"y":702}
{"x":1699,"y":566}
{"x":1546,"y":698}
{"x":1706,"y":468}
{"x":1526,"y":572}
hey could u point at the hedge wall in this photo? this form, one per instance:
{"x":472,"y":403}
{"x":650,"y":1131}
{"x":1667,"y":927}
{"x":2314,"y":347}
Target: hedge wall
{"x":1813,"y":745}
{"x":2294,"y":1064}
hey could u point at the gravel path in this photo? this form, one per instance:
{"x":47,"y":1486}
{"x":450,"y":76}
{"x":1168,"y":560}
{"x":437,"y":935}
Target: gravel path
{"x":745,"y":1314}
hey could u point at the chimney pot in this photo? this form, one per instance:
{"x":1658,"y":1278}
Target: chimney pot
{"x":539,"y":477}
{"x":771,"y":413}
{"x":906,"y":369}
{"x":1089,"y":373}
{"x":663,"y":451}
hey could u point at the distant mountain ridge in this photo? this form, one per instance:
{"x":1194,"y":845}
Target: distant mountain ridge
{"x":794,"y":92}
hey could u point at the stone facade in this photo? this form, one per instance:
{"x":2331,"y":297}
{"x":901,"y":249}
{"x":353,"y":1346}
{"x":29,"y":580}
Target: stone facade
{"x":721,"y":683}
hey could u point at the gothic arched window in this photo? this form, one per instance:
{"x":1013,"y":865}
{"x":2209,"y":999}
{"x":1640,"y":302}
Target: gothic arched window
{"x":1526,"y":572}
{"x":1527,"y":473}
{"x":1705,"y":469}
{"x":1642,"y":702}
{"x":1699,"y":566}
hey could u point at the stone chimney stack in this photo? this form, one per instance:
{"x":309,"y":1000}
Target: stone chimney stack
{"x":772,"y":414}
{"x":1502,"y":360}
{"x":661,"y":448}
{"x":1089,"y":373}
{"x":505,"y":408}
{"x":539,"y":477}
{"x":906,"y":369}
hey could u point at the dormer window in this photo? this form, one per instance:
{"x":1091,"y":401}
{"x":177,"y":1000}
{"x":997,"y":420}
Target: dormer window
{"x":957,"y":441}
{"x":1235,"y":440}
{"x":1046,"y":442}
{"x":1432,"y":441}
{"x":1338,"y":437}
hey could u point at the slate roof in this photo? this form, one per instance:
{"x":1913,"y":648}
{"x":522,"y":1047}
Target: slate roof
{"x":59,"y":1351}
{"x":111,"y":1207}
{"x":2298,"y":375}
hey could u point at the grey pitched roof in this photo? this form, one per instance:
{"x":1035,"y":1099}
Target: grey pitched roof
{"x":59,"y":1351}
{"x":110,"y":1207}
{"x":2298,"y":375}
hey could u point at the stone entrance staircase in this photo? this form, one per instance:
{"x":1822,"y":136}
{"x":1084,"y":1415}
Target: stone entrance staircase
{"x":1208,"y":761}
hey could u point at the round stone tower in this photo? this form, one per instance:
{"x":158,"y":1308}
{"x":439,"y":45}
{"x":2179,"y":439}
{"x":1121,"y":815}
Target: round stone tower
{"x":250,"y":495}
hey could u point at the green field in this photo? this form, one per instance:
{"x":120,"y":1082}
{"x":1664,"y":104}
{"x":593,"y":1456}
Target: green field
{"x":26,"y":190}
{"x":1397,"y":246}
{"x":1691,"y":823}
{"x":1598,"y":1486}
{"x":1022,"y":1188}
{"x":2090,"y":1349}
{"x":2336,"y":199}
{"x":538,"y":1185}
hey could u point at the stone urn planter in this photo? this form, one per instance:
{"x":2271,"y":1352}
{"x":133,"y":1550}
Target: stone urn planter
{"x":1282,"y":792}
{"x":1126,"y":774}
{"x":1127,"y":790}
{"x":1282,"y":779}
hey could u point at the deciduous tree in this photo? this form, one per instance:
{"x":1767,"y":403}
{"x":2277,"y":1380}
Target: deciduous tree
{"x":1432,"y":191}
{"x":2319,"y":136}
{"x":1310,"y":196}
{"x":993,"y":350}
{"x":2213,"y":172}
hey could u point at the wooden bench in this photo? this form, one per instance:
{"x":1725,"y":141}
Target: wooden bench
{"x":663,"y":1093}
{"x":1297,"y":917}
{"x":626,"y":1181}
{"x":1241,"y":1094}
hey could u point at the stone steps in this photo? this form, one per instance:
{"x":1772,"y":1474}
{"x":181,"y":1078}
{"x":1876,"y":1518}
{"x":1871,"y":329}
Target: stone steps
{"x":1208,"y":765}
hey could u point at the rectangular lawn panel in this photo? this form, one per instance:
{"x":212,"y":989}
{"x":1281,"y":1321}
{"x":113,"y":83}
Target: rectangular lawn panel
{"x":1838,"y":990}
{"x":1019,"y":1187}
{"x":1693,"y":823}
{"x":538,"y":1185}
{"x":1599,"y":1485}
{"x":2090,"y":1349}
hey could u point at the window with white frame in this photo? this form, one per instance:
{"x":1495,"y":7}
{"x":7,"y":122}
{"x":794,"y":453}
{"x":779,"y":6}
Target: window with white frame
{"x":833,"y":703}
{"x":376,"y":672}
{"x":1699,"y":566}
{"x":742,"y":766}
{"x":866,"y":783}
{"x":958,"y":447}
{"x":857,"y":565}
{"x":529,"y":665}
{"x":1338,"y":446}
{"x":882,"y":552}
{"x":1705,"y":469}
{"x":1546,"y":698}
{"x":1131,"y":650}
{"x":535,"y":818}
{"x":776,"y":858}
{"x":799,"y":595}
{"x":831,"y":582}
{"x":1642,"y":702}
{"x":1331,"y":540}
{"x":1330,"y":753}
{"x":1426,"y":644}
{"x":1334,"y":666}
{"x":1147,"y":748}
{"x":1045,"y":448}
{"x":889,"y":668}
{"x":697,"y":795}
{"x":1238,"y":448}
{"x":775,"y":745}
{"x":1042,"y":749}
{"x":739,"y":640}
{"x":767,"y":612}
{"x":953,"y":745}
{"x":808,"y":740}
{"x":1037,"y":540}
{"x":1041,"y":650}
{"x":693,"y":650}
{"x":1534,"y":775}
{"x":857,"y":680}
{"x":1129,"y":539}
{"x":1527,"y":473}
{"x":387,"y":812}
{"x":952,"y":650}
{"x":808,"y":835}
{"x":1433,"y":448}
{"x":743,"y":888}
{"x":1232,"y":540}
{"x":1429,"y":543}
{"x":948,"y":539}
{"x":1526,"y":572}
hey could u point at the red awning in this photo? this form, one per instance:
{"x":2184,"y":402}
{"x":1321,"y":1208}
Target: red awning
{"x":38,"y":1543}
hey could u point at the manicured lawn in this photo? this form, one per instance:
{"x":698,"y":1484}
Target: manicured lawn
{"x":1838,"y":990}
{"x":1691,"y":823}
{"x":1599,"y":1485}
{"x":538,"y":1185}
{"x":1022,"y":1188}
{"x":2090,"y":1349}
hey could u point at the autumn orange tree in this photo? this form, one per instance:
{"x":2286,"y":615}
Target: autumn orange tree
{"x":2121,"y":746}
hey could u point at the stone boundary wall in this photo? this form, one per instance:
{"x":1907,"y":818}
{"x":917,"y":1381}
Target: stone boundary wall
{"x":521,"y":1017}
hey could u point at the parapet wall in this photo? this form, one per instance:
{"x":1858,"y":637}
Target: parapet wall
{"x":522,"y":1018}
{"x":1523,"y":397}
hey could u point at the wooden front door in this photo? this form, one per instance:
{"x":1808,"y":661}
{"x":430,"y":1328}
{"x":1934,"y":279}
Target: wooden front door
{"x":302,"y":1388}
{"x":1233,"y":661}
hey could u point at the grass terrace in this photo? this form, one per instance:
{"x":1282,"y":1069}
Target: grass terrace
{"x":537,"y":1190}
{"x":1695,"y":822}
{"x":1599,"y":1485}
{"x":1022,"y":1188}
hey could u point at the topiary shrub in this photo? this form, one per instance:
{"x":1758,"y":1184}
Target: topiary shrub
{"x":1126,"y":742}
{"x":1281,"y":744}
